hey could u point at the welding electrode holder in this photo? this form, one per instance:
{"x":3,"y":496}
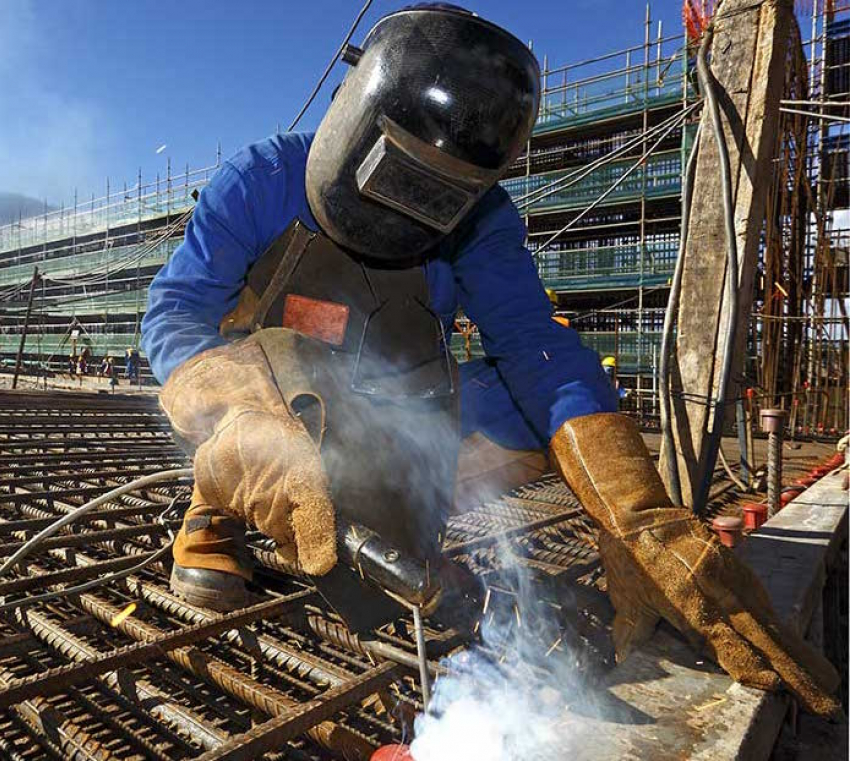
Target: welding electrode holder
{"x":401,"y":576}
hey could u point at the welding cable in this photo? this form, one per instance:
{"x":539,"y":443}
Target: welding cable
{"x":27,"y":602}
{"x":330,"y":65}
{"x":673,"y":483}
{"x":620,"y":180}
{"x":568,"y":180}
{"x":712,"y":443}
{"x":32,"y":544}
{"x":732,"y":477}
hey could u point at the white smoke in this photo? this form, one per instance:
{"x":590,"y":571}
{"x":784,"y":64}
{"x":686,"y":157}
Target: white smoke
{"x":518,"y":696}
{"x":479,"y":713}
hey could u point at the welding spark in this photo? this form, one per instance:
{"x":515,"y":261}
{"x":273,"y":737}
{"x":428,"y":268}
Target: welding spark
{"x":518,"y":619}
{"x":161,"y":148}
{"x":119,"y":618}
{"x":554,"y":646}
{"x":486,"y":601}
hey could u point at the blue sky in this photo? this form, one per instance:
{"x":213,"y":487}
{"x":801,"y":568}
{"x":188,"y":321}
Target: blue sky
{"x":92,"y":88}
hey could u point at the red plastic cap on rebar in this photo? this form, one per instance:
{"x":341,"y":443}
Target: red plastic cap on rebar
{"x":790,"y":493}
{"x":728,"y":528}
{"x":398,"y":752}
{"x":772,"y":421}
{"x":754,"y":515}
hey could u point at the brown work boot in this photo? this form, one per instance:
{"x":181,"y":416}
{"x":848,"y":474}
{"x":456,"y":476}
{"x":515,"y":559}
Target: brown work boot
{"x":211,"y":560}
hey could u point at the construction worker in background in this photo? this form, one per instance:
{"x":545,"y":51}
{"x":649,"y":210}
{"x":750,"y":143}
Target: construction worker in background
{"x":609,"y":365}
{"x":82,"y":365}
{"x":301,"y":331}
{"x":108,"y":371}
{"x":553,"y":300}
{"x":131,"y":368}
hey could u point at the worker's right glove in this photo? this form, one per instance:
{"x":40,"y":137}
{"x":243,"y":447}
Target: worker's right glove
{"x":662,"y":562}
{"x":254,"y":457}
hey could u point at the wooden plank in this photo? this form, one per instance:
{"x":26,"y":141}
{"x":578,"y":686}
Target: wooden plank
{"x":748,"y":60}
{"x":667,"y":702}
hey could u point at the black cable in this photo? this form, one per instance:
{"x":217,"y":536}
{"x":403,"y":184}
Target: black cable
{"x":164,"y":519}
{"x":672,"y":461}
{"x":330,"y":66}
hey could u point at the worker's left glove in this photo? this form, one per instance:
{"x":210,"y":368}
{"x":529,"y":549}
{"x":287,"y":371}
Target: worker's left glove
{"x":254,"y":458}
{"x":662,"y":562}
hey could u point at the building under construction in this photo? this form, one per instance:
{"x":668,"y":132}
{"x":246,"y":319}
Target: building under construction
{"x":510,"y":636}
{"x":600,"y":189}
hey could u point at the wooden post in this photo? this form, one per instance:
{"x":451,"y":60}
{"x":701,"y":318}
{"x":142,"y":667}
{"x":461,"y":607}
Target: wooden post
{"x":20,"y":356}
{"x":748,"y":61}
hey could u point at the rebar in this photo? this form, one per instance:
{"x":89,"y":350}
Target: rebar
{"x":185,"y":721}
{"x":773,"y":423}
{"x":179,"y":676}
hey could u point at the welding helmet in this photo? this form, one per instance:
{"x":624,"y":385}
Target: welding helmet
{"x":436,"y":106}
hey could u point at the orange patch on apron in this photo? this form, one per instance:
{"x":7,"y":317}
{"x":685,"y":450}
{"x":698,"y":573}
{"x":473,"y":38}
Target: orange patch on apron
{"x":324,"y":320}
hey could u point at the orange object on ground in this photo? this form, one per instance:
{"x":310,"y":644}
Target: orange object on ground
{"x":754,"y":515}
{"x":729,"y":529}
{"x":398,"y":752}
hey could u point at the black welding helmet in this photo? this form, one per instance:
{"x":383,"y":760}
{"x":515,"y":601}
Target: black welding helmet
{"x":436,"y":106}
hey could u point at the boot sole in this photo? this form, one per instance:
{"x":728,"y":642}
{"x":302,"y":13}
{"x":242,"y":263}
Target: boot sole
{"x":214,"y":598}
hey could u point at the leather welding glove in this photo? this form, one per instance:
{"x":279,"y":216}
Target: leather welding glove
{"x":254,"y":457}
{"x":662,"y":562}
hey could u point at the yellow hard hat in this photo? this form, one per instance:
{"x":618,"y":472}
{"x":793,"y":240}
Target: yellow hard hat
{"x":609,"y":362}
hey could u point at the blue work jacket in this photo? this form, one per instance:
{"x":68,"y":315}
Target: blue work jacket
{"x":536,"y":373}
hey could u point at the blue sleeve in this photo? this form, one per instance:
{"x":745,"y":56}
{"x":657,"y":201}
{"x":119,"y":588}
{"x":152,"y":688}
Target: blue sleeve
{"x":202,"y":279}
{"x":549,"y":374}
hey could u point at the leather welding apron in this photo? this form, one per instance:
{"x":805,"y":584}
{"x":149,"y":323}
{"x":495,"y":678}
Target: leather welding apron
{"x":362,"y":339}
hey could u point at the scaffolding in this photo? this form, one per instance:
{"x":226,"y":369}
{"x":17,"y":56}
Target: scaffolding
{"x":800,"y":329}
{"x":609,"y":266}
{"x":96,"y":260}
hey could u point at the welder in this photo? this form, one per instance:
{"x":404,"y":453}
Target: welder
{"x":301,"y":333}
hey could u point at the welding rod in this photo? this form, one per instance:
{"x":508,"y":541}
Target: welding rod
{"x":422,"y":654}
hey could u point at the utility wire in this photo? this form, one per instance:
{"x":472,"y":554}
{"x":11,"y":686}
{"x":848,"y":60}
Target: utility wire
{"x":94,"y":276}
{"x":330,"y":66}
{"x":579,"y":174}
{"x":620,"y":180}
{"x":672,"y":461}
